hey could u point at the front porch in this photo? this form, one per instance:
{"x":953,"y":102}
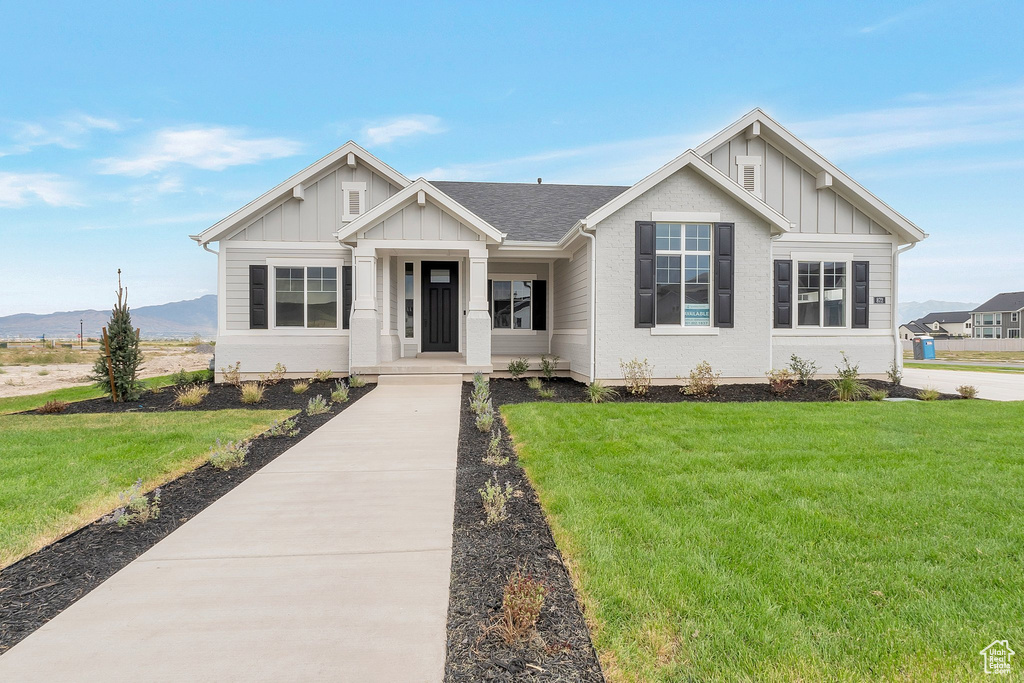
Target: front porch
{"x":455,"y":364}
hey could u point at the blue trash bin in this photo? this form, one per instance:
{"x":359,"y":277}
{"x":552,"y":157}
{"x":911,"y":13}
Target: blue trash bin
{"x":928,"y":348}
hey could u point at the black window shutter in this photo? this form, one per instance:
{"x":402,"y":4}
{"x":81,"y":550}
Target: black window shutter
{"x":644,"y":274}
{"x":346,"y":296}
{"x":860,"y":293}
{"x":725,"y":260}
{"x":540,"y":304}
{"x":257,"y":297}
{"x":783,"y":293}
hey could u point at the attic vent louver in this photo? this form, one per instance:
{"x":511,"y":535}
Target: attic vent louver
{"x":749,"y":173}
{"x":353,"y":200}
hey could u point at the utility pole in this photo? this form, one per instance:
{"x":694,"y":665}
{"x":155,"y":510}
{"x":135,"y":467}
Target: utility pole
{"x":81,"y":336}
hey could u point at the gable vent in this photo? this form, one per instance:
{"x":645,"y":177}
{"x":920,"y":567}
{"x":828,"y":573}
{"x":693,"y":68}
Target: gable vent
{"x":353,"y":200}
{"x":749,"y":173}
{"x":748,"y":178}
{"x":353,"y":203}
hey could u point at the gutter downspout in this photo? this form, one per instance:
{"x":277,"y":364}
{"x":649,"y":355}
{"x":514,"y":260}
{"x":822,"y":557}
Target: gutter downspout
{"x":896,"y":252}
{"x":206,"y":246}
{"x":593,"y":297}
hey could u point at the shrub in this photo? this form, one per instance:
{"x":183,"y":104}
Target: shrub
{"x":546,"y":392}
{"x":252,"y":392}
{"x":233,"y":374}
{"x":495,"y":499}
{"x":317,"y":405}
{"x":848,"y":388}
{"x":517,"y":367}
{"x":780,"y":381}
{"x":878,"y":394}
{"x":122,"y":363}
{"x":702,"y":381}
{"x":967,"y":391}
{"x":494,"y":458}
{"x":805,"y":370}
{"x":929,"y":394}
{"x":340,"y":393}
{"x":355,"y":381}
{"x":638,"y":375}
{"x":300,"y":386}
{"x":895,"y":373}
{"x":547,"y":366}
{"x":190,"y":395}
{"x":135,"y":507}
{"x":181,"y":378}
{"x":283,"y":428}
{"x":322,"y":375}
{"x":274,"y":376}
{"x":535,"y":383}
{"x":485,"y":418}
{"x":229,"y":456}
{"x":521,"y":605}
{"x":479,"y":400}
{"x":599,"y":393}
{"x":51,"y":407}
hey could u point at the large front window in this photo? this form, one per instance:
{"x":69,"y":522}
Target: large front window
{"x":306,"y":296}
{"x":511,"y":304}
{"x":683,"y":274}
{"x":821,"y":294}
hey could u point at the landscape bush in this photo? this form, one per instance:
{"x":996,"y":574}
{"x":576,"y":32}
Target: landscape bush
{"x":847,"y":386}
{"x":597,"y":392}
{"x":283,"y":428}
{"x":495,"y":499}
{"x":232,"y":374}
{"x":781,"y":381}
{"x":517,"y":367}
{"x":300,"y":386}
{"x":136,"y":507}
{"x":124,"y":355}
{"x":494,"y":458}
{"x":190,"y":395}
{"x":521,"y":606}
{"x":548,"y":365}
{"x":485,"y":418}
{"x":895,"y":373}
{"x":228,"y":456}
{"x":805,"y":370}
{"x":355,"y":381}
{"x":317,"y":405}
{"x":181,"y":378}
{"x":638,"y":376}
{"x":702,"y":380}
{"x":340,"y":392}
{"x":534,"y":383}
{"x":52,"y":407}
{"x":967,"y":391}
{"x":878,"y":394}
{"x":274,"y":376}
{"x":546,"y":392}
{"x":252,"y":392}
{"x":322,"y":375}
{"x":929,"y":394}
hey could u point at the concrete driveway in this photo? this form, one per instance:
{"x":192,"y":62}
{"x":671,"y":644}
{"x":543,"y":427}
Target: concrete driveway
{"x":995,"y":386}
{"x":329,"y":564}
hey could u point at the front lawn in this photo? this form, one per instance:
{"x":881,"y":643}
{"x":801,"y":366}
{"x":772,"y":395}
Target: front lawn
{"x":62,"y":471}
{"x":19,"y":404}
{"x":963,"y":368}
{"x":787,"y":541}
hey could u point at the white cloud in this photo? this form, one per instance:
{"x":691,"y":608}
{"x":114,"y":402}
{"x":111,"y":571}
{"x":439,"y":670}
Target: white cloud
{"x":924,"y":122}
{"x":388,"y":131}
{"x":68,"y":132}
{"x":211,"y":149}
{"x":21,"y":189}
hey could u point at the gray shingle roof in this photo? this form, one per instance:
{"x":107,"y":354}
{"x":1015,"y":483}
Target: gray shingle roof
{"x":916,"y":327}
{"x":945,"y":317}
{"x":530,"y":211}
{"x":1007,"y":301}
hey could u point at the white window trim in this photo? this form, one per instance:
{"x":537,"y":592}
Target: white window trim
{"x":505,"y":277}
{"x":681,"y":328}
{"x":417,"y":304}
{"x":1013,"y":317}
{"x":303,"y":263}
{"x":743,"y":161}
{"x":847,"y":291}
{"x":346,"y":190}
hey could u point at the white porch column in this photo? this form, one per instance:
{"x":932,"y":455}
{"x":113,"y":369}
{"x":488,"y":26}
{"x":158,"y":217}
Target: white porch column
{"x":389,"y":344}
{"x":478,"y":319}
{"x":364,"y":335}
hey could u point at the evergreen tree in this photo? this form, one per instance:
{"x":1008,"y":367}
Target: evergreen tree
{"x":125,"y":357}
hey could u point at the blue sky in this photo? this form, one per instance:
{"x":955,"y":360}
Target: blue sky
{"x":125,"y":127}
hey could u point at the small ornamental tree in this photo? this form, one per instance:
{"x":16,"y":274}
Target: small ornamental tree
{"x":125,"y":357}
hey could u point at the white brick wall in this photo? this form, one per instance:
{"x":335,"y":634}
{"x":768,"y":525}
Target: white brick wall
{"x":742,"y":351}
{"x":302,"y":355}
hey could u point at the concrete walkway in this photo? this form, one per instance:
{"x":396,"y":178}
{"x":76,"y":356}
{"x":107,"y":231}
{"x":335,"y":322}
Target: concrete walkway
{"x":329,"y":564}
{"x":994,"y":386}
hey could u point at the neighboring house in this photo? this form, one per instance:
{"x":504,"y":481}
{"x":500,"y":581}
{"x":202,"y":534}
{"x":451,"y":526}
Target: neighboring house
{"x":743,"y":252}
{"x":945,"y":325}
{"x":999,"y":317}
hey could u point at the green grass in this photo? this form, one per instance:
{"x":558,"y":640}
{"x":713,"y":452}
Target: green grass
{"x":964,"y":368}
{"x":1004,"y":356}
{"x":861,"y":541}
{"x":60,"y":472}
{"x":18,"y":404}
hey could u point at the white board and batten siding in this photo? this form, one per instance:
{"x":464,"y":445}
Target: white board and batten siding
{"x":428,"y":223}
{"x":570,"y":339}
{"x":791,"y":190}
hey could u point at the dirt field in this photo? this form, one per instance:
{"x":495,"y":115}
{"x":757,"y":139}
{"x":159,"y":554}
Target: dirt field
{"x":40,"y":370}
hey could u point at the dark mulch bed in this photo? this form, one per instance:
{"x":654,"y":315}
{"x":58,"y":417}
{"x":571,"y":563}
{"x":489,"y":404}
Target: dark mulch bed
{"x":570,"y":391}
{"x":482,"y":558}
{"x":37,"y":588}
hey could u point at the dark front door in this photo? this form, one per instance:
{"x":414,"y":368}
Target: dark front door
{"x":440,"y":313}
